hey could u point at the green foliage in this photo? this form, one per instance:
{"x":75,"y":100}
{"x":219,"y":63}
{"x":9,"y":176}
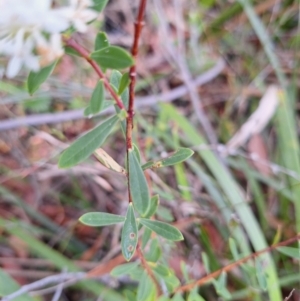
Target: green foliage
{"x":178,"y":156}
{"x":138,"y":185}
{"x":112,"y":57}
{"x":146,"y":289}
{"x":165,"y":230}
{"x":124,"y":83}
{"x":129,"y":234}
{"x":83,"y":147}
{"x":35,"y":79}
{"x":99,"y":219}
{"x":97,"y":98}
{"x":101,"y":41}
{"x":289,"y":251}
{"x":123,"y":269}
{"x":99,"y":5}
{"x":154,"y":202}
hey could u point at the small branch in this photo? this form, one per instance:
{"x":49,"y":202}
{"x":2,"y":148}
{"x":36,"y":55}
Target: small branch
{"x":138,"y":25}
{"x":86,"y":55}
{"x":44,"y":282}
{"x":148,"y":269}
{"x":237,"y":263}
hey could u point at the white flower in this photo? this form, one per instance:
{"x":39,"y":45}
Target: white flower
{"x":30,"y":30}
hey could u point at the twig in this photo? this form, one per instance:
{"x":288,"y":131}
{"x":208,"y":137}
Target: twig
{"x":38,"y":119}
{"x":229,"y":267}
{"x":148,"y":269}
{"x":138,"y":25}
{"x":59,"y":288}
{"x":86,"y":55}
{"x":43,"y":282}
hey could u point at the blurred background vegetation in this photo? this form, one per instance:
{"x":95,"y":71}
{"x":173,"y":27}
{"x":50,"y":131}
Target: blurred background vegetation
{"x":239,"y":193}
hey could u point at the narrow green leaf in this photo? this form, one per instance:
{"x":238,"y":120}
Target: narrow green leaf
{"x":178,"y":297}
{"x":123,"y":269}
{"x":99,"y":5}
{"x":289,"y":251}
{"x":161,"y":270}
{"x":137,"y":152}
{"x":146,"y":288}
{"x":98,"y":219}
{"x":84,"y":146}
{"x":155,"y":251}
{"x":129,"y":234}
{"x":101,"y":40}
{"x":146,"y":236}
{"x":260,"y":274}
{"x":112,"y":57}
{"x":165,"y":230}
{"x":178,"y":156}
{"x":138,"y":185}
{"x":108,"y":161}
{"x":153,"y":205}
{"x":124,"y":83}
{"x":194,"y":296}
{"x":114,"y":80}
{"x":8,"y":286}
{"x":97,"y":98}
{"x":164,"y":298}
{"x":35,"y":79}
{"x":147,"y":165}
{"x":87,"y":111}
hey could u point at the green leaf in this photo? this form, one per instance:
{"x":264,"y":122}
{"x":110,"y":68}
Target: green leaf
{"x":260,"y":274}
{"x":137,"y":152}
{"x":194,"y":296}
{"x":123,"y":269}
{"x":35,"y":79}
{"x":146,"y":237}
{"x":101,"y":41}
{"x":98,"y":219}
{"x":108,"y":161}
{"x":112,"y":57}
{"x":178,"y":156}
{"x":124,"y":83}
{"x":138,"y":184}
{"x":165,"y":230}
{"x":161,"y":270}
{"x":84,"y":146}
{"x":153,"y":205}
{"x":164,"y":298}
{"x":99,"y":5}
{"x":97,"y":98}
{"x":87,"y":111}
{"x":129,"y":234}
{"x":155,"y":252}
{"x":8,"y":286}
{"x":289,"y":251}
{"x":177,"y":297}
{"x":114,"y":80}
{"x":146,"y":289}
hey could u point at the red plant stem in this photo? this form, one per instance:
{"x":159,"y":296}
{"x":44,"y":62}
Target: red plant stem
{"x":86,"y":55}
{"x":138,"y":25}
{"x":229,"y":267}
{"x":148,"y":269}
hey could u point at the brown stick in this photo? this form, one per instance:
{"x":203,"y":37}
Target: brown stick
{"x":86,"y":55}
{"x":148,"y":269}
{"x":138,"y":25}
{"x":229,"y":267}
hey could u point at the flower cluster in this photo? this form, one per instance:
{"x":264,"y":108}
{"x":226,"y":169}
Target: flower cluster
{"x":30,"y":30}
